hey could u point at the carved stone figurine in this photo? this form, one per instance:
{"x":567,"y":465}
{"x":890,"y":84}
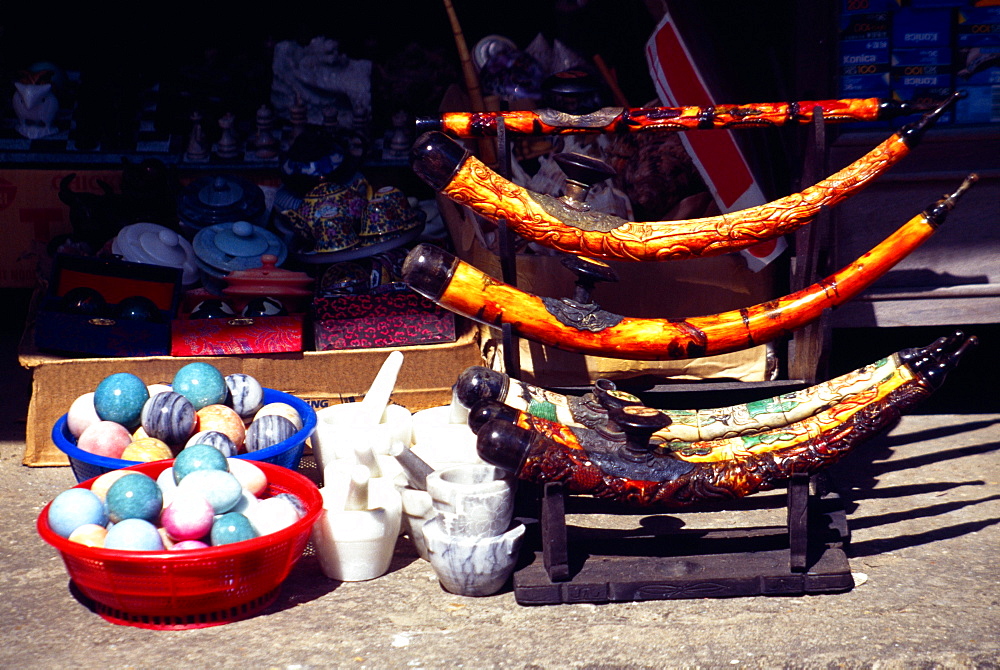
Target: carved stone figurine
{"x":321,"y":76}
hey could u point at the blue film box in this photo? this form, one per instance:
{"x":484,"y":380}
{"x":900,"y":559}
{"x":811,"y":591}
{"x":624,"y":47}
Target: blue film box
{"x":978,"y":26}
{"x":980,"y":105}
{"x":922,"y":28}
{"x":872,"y":26}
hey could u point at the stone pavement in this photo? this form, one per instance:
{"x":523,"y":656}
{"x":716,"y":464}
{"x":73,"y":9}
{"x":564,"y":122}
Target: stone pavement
{"x":923,"y":506}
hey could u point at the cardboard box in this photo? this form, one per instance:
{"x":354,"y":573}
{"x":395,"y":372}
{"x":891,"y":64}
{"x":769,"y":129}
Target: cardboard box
{"x":103,"y":332}
{"x":391,"y":319}
{"x":31,"y":214}
{"x":321,"y":378}
{"x":646,"y":290}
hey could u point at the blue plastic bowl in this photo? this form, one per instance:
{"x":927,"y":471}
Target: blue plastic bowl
{"x":286,"y":453}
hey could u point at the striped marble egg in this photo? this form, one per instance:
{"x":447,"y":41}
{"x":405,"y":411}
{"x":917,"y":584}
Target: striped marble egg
{"x":246,"y":395}
{"x":268,"y":430}
{"x":168,"y":416}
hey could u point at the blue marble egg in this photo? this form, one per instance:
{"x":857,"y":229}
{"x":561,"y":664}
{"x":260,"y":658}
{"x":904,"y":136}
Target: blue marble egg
{"x":220,"y":488}
{"x":246,"y":395}
{"x":202,"y":384}
{"x":198,"y":457}
{"x":134,"y":535}
{"x":267,"y":431}
{"x":214,"y":438}
{"x":134,"y":496}
{"x":73,"y":508}
{"x":120,"y":398}
{"x":232,"y":527}
{"x":168,"y":416}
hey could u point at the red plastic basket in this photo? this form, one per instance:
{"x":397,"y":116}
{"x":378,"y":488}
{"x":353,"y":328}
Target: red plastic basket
{"x":167,"y":590}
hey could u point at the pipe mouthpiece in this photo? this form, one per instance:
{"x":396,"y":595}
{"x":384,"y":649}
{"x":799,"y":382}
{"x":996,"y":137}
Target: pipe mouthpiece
{"x":436,"y":158}
{"x":504,"y":445}
{"x":489,"y":410}
{"x":428,"y":270}
{"x":478,"y":383}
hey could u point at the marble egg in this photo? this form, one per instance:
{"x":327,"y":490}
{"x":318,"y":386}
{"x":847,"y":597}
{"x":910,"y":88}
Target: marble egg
{"x":134,"y":496}
{"x":168,"y":487}
{"x":134,"y":535}
{"x":101,"y":485}
{"x":251,"y":477}
{"x":201,"y":383}
{"x":138,"y":308}
{"x":214,"y":438}
{"x":73,"y":508}
{"x":232,"y":527}
{"x":105,"y":438}
{"x":187,"y":517}
{"x":281,"y":409}
{"x":219,"y":487}
{"x":120,"y":397}
{"x":89,"y":534}
{"x":213,"y":308}
{"x":263,"y":306}
{"x":273,"y":514}
{"x":246,"y":502}
{"x":168,"y":416}
{"x":198,"y":457}
{"x":186,"y":545}
{"x":81,"y":414}
{"x":223,"y":419}
{"x":268,"y":431}
{"x":147,"y":450}
{"x":84,"y":300}
{"x":246,"y":395}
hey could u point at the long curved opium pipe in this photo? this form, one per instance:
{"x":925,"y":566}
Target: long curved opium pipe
{"x":686,"y":427}
{"x":543,"y":451}
{"x":640,"y":119}
{"x":563,"y":225}
{"x":586,"y":329}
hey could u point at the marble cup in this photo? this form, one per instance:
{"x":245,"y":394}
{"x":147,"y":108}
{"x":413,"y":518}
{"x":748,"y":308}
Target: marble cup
{"x":472,"y":566}
{"x":338,"y":433}
{"x":472,"y":500}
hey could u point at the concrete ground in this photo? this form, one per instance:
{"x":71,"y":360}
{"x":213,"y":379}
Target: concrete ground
{"x":923,"y":505}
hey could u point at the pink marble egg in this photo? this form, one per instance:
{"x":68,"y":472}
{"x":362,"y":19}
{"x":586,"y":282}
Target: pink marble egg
{"x":223,"y":419}
{"x":249,"y":475}
{"x":189,"y":544}
{"x":105,"y":438}
{"x":189,"y":516}
{"x":81,"y":414}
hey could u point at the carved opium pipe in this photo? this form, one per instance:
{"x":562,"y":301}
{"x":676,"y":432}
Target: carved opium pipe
{"x":633,"y":467}
{"x":686,"y":426}
{"x":640,"y":119}
{"x":552,"y":222}
{"x":587,"y":329}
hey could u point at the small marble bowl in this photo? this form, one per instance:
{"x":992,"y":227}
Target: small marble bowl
{"x":472,"y":567}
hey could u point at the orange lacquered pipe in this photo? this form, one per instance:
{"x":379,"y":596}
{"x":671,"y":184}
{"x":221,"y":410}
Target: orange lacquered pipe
{"x":640,"y":119}
{"x":586,"y":329}
{"x":454,"y":172}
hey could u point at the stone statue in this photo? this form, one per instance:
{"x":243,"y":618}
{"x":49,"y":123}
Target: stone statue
{"x":321,"y":77}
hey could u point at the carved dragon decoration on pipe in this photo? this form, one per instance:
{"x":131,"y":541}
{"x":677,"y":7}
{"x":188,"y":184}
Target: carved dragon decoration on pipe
{"x":567,"y":224}
{"x":583,"y":327}
{"x":688,"y":430}
{"x":625,"y":459}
